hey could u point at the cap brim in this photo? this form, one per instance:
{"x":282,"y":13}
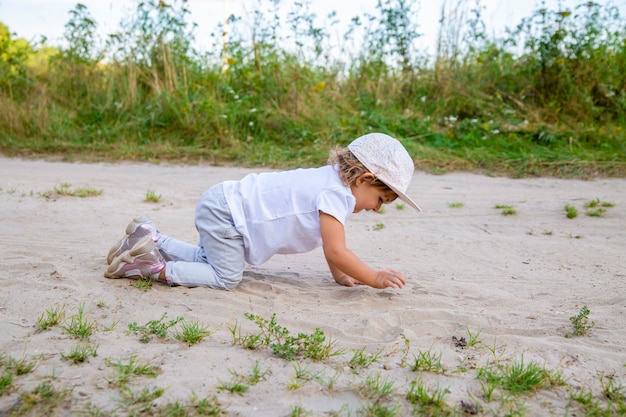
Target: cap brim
{"x":405,"y":198}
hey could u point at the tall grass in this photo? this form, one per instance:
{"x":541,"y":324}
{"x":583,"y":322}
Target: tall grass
{"x":547,"y":98}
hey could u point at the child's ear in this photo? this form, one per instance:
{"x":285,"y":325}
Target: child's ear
{"x":367,"y":177}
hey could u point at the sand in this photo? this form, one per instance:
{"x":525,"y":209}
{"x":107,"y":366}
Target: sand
{"x":512,"y":281}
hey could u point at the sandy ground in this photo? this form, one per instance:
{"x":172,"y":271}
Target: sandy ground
{"x":514,"y":281}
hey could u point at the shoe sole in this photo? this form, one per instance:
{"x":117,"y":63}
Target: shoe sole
{"x":130,"y":229}
{"x":127,"y":257}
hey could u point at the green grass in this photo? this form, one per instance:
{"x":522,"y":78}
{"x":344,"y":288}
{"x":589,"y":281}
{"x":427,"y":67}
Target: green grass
{"x":159,"y":328}
{"x":532,"y":102}
{"x":506,"y":209}
{"x":51,"y":317}
{"x":80,"y":353}
{"x":571,"y":211}
{"x":152,"y":196}
{"x":192,"y":332}
{"x":79,"y":326}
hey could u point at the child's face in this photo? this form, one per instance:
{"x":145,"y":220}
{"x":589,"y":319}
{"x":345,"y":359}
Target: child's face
{"x":368,"y":196}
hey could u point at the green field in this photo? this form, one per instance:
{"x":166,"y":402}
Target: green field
{"x":547,"y":99}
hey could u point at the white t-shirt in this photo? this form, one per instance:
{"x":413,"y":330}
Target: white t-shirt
{"x":278,"y":212}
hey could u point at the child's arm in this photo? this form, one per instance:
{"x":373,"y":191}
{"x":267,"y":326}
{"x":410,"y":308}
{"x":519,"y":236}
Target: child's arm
{"x":343,"y":261}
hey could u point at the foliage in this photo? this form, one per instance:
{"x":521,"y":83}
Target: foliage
{"x":547,"y":98}
{"x":286,"y":345}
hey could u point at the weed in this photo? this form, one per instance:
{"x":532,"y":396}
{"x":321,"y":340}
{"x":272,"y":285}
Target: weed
{"x":506,"y":210}
{"x":612,"y":391}
{"x":361,"y":359}
{"x":234,"y":387}
{"x":146,"y":395}
{"x":284,"y":345}
{"x":6,"y":381}
{"x":254,"y":377}
{"x":378,"y":226}
{"x":426,"y":361}
{"x":581,"y":322}
{"x":153,"y":327}
{"x":456,"y":205}
{"x":425,"y":401}
{"x":571,"y":211}
{"x":142,"y":284}
{"x":65,"y":190}
{"x":400,"y":206}
{"x":132,"y":368}
{"x":79,"y":327}
{"x":597,"y":207}
{"x":152,"y":196}
{"x":375,"y":388}
{"x":208,"y":406}
{"x":472,"y":337}
{"x":81,"y":353}
{"x":22,"y":366}
{"x":44,"y":398}
{"x":51,"y":317}
{"x":298,"y":411}
{"x":599,"y":212}
{"x":517,"y":377}
{"x":191,"y":333}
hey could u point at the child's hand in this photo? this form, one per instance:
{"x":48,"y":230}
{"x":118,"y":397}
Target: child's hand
{"x":389,"y":278}
{"x":348,"y":281}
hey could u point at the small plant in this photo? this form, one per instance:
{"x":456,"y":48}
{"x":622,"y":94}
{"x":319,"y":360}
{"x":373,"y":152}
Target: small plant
{"x":241,"y":383}
{"x":400,"y":206}
{"x":81,"y":353}
{"x":517,"y":377}
{"x":44,"y":398}
{"x":6,"y":381}
{"x":79,"y":327}
{"x":506,"y":210}
{"x":374,"y":388}
{"x":598,"y":212}
{"x":65,"y":190}
{"x":456,"y":205}
{"x":362,"y":359}
{"x":472,"y":337}
{"x":426,"y":361}
{"x":425,"y":401}
{"x":378,"y":226}
{"x":51,"y":317}
{"x":191,"y":333}
{"x":581,"y":322}
{"x":22,"y":366}
{"x":145,"y":396}
{"x":234,"y":387}
{"x":298,"y":411}
{"x":142,"y":284}
{"x":597,"y":207}
{"x":152,"y":196}
{"x":153,"y":327}
{"x":571,"y":211}
{"x":133,"y":367}
{"x":284,"y":345}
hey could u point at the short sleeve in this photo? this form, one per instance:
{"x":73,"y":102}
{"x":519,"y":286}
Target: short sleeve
{"x":336,"y":203}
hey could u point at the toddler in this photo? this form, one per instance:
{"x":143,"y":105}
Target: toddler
{"x":261,"y":215}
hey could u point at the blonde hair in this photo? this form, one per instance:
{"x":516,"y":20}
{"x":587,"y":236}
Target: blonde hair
{"x":350,"y":168}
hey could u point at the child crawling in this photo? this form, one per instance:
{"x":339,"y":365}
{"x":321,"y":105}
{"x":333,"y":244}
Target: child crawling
{"x":261,"y":215}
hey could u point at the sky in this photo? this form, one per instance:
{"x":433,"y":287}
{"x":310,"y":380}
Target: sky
{"x":31,"y":19}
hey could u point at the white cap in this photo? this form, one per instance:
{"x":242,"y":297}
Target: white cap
{"x":386,"y":158}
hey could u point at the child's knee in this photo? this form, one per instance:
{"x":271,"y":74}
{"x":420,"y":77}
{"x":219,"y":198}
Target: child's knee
{"x":231,"y":282}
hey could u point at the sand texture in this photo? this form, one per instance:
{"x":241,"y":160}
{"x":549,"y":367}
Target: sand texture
{"x":512,"y":281}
